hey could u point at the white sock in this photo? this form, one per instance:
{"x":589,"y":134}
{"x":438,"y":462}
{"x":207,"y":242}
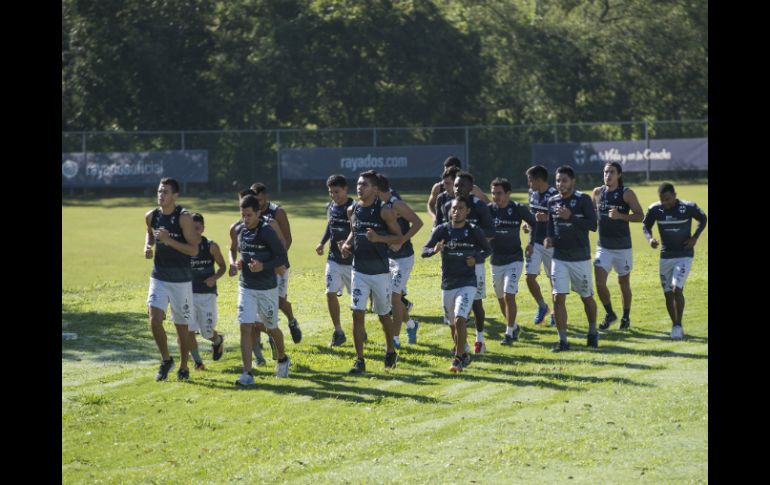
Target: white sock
{"x":509,"y":331}
{"x":396,"y":339}
{"x":479,"y":336}
{"x":410,"y":323}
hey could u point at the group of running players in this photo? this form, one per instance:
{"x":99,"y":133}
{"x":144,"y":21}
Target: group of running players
{"x":371,"y":256}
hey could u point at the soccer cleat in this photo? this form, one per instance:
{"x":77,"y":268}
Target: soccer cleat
{"x":359,"y":367}
{"x":218,"y":350}
{"x":507,"y":340}
{"x":396,"y":343}
{"x":165,"y":368}
{"x":466,"y":360}
{"x":593,"y":340}
{"x":296,"y":332}
{"x":609,"y":319}
{"x":677,"y":332}
{"x":553,"y":321}
{"x":390,"y":360}
{"x":338,"y":338}
{"x":200,"y":366}
{"x":560,"y":346}
{"x":479,"y":347}
{"x":246,"y":379}
{"x":457,"y":365}
{"x":258,"y":355}
{"x":183,"y":374}
{"x":282,"y":368}
{"x":411,"y":333}
{"x":625,"y":323}
{"x":542,"y":311}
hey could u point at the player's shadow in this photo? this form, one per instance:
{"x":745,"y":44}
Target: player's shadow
{"x":639,"y":333}
{"x":321,"y":385}
{"x":114,"y":336}
{"x":614,"y":349}
{"x":506,"y":364}
{"x":430,"y":320}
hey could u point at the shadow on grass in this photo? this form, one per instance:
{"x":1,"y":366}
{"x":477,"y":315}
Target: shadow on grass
{"x":119,"y":336}
{"x":637,"y":333}
{"x":125,"y":336}
{"x":323,"y":386}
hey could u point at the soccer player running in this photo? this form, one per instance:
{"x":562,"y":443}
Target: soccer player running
{"x":461,"y":245}
{"x":338,"y":268}
{"x":233,"y":257}
{"x":401,"y":259}
{"x":448,"y":180}
{"x":535,"y":253}
{"x":507,"y":257}
{"x":616,"y":206}
{"x":261,"y":252}
{"x":674,"y":218}
{"x":273,"y":211}
{"x":441,"y":187}
{"x":170,"y":231}
{"x":204,"y":286}
{"x":373,"y":229}
{"x":570,"y":216}
{"x":478,"y":214}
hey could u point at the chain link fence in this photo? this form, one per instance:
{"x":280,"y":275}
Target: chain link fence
{"x":237,"y":158}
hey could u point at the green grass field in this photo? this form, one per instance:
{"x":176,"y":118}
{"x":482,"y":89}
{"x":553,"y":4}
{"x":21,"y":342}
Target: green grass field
{"x":633,"y":411}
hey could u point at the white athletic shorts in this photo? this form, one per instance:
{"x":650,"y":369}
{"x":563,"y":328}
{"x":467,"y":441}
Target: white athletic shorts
{"x":337,"y":276}
{"x":481,"y":282}
{"x":539,"y":255}
{"x":283,"y":284}
{"x":258,"y":306}
{"x":674,"y":272}
{"x":378,"y":285}
{"x":457,"y":303}
{"x":178,"y":295}
{"x":205,"y":315}
{"x":505,"y":278}
{"x":578,"y":273}
{"x":400,"y":269}
{"x":619,"y":259}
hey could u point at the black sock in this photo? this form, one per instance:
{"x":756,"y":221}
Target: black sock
{"x":626,"y":313}
{"x":608,"y":308}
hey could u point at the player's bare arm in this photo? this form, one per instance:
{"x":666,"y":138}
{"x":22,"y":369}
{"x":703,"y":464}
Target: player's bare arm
{"x":219,"y":259}
{"x":636,"y":215}
{"x":149,"y":237}
{"x":283,"y":223}
{"x":434,"y":191}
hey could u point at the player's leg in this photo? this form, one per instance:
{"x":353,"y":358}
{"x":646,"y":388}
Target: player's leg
{"x":602,"y":268}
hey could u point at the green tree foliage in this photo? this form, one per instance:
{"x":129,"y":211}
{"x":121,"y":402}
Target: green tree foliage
{"x":196,"y":64}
